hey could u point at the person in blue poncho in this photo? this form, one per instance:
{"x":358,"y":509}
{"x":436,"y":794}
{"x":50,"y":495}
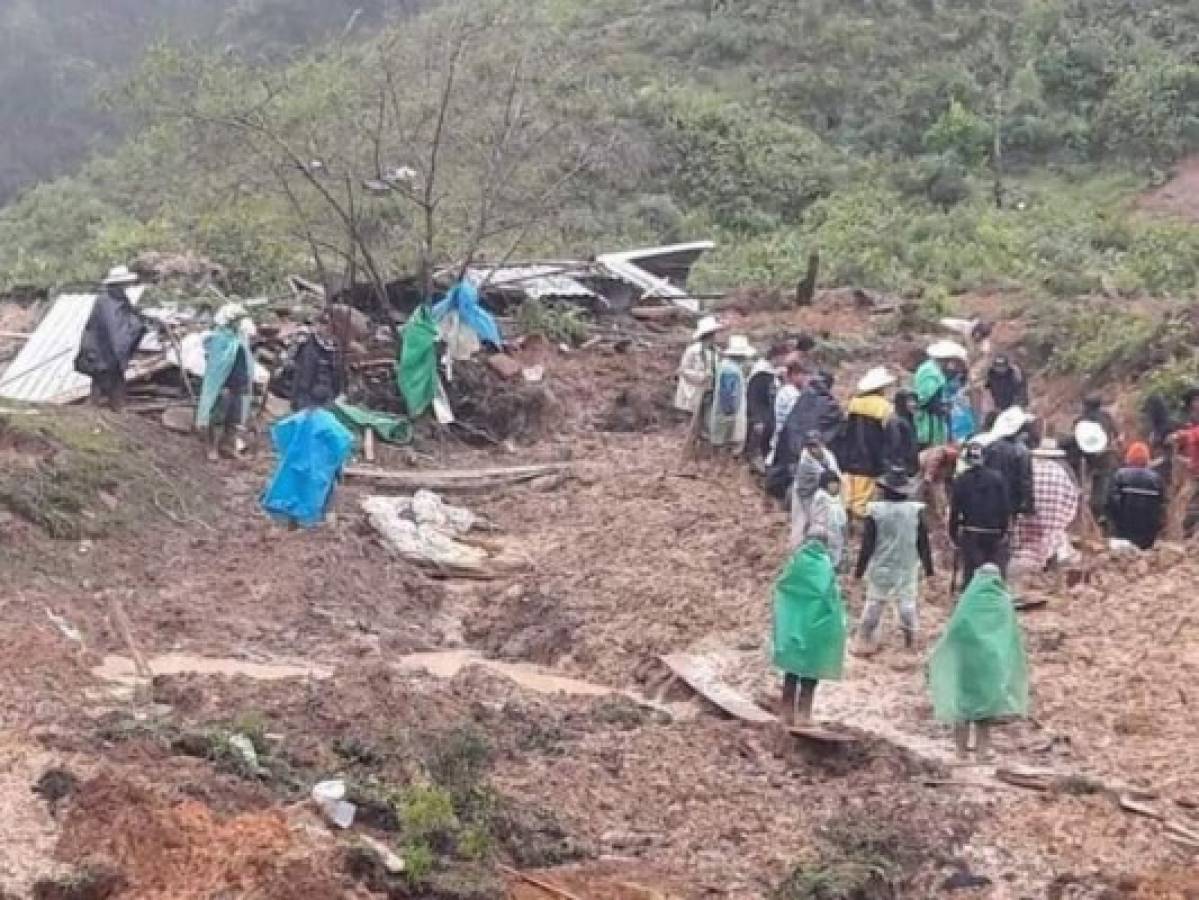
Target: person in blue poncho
{"x":228,"y":374}
{"x":312,"y":447}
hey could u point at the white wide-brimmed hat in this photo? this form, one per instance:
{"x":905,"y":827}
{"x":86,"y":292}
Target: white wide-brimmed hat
{"x":740,"y":346}
{"x":121,"y":275}
{"x":875,"y":380}
{"x":1090,"y":437}
{"x":948,"y":350}
{"x":230,"y":313}
{"x":707,"y":325}
{"x":1049,"y":449}
{"x":1010,"y":421}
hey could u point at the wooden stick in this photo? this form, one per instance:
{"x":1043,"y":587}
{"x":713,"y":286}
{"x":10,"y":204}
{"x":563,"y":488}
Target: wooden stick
{"x":552,"y":890}
{"x":122,"y":623}
{"x":368,"y":445}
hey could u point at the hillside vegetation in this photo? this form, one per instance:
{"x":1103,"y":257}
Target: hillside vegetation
{"x":923,"y":146}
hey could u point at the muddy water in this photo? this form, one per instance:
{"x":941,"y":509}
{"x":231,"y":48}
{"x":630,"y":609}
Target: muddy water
{"x":122,"y":670}
{"x":448,"y":663}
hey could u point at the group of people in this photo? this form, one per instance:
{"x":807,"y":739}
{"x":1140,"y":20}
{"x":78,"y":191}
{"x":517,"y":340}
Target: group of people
{"x":955,"y":448}
{"x":312,"y":445}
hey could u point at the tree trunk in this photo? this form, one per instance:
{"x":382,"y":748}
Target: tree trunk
{"x":805,"y":292}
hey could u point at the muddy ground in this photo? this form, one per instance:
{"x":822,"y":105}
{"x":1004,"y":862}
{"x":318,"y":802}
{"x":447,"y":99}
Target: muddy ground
{"x":314,"y":649}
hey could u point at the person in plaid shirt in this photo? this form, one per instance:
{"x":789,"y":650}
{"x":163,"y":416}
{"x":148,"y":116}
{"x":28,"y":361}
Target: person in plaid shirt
{"x":1038,"y":537}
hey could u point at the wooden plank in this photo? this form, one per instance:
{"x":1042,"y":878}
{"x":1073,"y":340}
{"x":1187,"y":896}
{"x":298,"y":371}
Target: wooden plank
{"x":822,"y":735}
{"x":455,"y":479}
{"x":700,"y":675}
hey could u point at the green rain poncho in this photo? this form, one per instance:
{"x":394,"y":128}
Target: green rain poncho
{"x":416,"y":370}
{"x":978,"y":669}
{"x":809,"y":617}
{"x":929,"y":384}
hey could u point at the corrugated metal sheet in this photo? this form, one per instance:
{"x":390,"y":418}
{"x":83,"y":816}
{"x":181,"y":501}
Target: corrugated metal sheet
{"x":626,"y":266}
{"x":536,"y":282}
{"x":44,"y":370}
{"x":45,"y":367}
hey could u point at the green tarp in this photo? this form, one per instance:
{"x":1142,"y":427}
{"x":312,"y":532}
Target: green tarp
{"x":809,"y":617}
{"x":979,"y":669}
{"x":416,"y":370}
{"x":392,"y":429}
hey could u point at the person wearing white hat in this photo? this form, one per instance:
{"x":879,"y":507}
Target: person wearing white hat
{"x":930,"y":384}
{"x":1093,"y":451}
{"x":697,"y":369}
{"x":862,"y":449}
{"x":113,"y":332}
{"x":1007,"y":454}
{"x":228,"y":370}
{"x":728,"y":417}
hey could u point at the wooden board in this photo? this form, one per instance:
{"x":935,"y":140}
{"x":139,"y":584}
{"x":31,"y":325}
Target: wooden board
{"x":699,"y":673}
{"x":822,"y":735}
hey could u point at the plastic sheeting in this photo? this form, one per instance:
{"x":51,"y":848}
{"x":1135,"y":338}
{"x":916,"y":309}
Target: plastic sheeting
{"x":463,"y":299}
{"x":416,"y":371}
{"x":392,"y":429}
{"x":809,"y":616}
{"x":312,"y":447}
{"x":979,"y":669}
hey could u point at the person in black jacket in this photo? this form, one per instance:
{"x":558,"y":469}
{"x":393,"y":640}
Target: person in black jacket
{"x":760,"y":392}
{"x":902,"y":450}
{"x":980,"y":516}
{"x":1006,"y":384}
{"x":317,"y":379}
{"x":1009,"y":456}
{"x":113,"y":332}
{"x":1136,"y":503}
{"x":815,"y":410}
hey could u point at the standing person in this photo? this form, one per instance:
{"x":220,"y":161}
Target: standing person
{"x":1006,"y":385}
{"x":794,"y":381}
{"x":980,"y":515}
{"x":760,"y":393}
{"x":1136,"y":503}
{"x":312,"y":449}
{"x":862,"y":449}
{"x":902,"y":451}
{"x":228,"y":371}
{"x":895,"y":545}
{"x":826,"y":513}
{"x":1008,"y":455}
{"x":815,"y":461}
{"x":728,"y":421}
{"x":931,"y":387}
{"x":317,"y":377}
{"x":815,"y":409}
{"x":809,"y":627}
{"x":1039,"y":538}
{"x":1093,"y":451}
{"x":978,"y":672}
{"x":697,"y":370}
{"x":111,"y":336}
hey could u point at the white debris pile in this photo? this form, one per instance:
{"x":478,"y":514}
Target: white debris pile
{"x":425,"y":529}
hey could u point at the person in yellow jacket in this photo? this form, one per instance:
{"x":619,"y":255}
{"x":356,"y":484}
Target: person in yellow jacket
{"x":862,"y":449}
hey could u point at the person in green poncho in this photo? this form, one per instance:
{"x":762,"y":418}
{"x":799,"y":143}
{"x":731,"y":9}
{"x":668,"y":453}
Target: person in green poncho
{"x":978,"y":672}
{"x":809,"y":626}
{"x":930,"y":384}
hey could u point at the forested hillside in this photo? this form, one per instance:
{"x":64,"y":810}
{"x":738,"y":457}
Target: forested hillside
{"x":921,"y":145}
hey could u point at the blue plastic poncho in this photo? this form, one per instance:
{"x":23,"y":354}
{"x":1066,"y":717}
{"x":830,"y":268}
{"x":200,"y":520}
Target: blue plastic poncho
{"x":220,"y":353}
{"x":463,"y":298}
{"x":962,"y":424}
{"x":312,"y":447}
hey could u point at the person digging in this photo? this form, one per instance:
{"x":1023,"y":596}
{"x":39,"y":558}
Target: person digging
{"x":895,"y":545}
{"x":228,"y":370}
{"x":809,"y":627}
{"x":978,"y":671}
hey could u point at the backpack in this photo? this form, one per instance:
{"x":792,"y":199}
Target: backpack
{"x":728,"y":391}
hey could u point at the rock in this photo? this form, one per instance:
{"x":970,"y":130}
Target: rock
{"x":504,"y":366}
{"x":244,"y":748}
